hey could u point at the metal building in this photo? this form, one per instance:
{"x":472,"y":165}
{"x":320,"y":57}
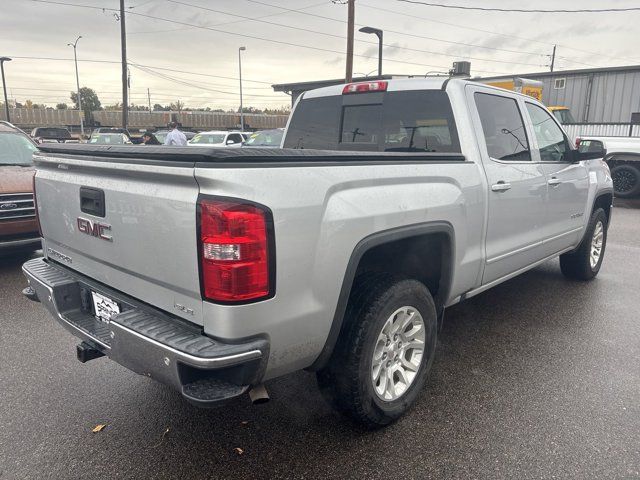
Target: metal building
{"x":594,"y":95}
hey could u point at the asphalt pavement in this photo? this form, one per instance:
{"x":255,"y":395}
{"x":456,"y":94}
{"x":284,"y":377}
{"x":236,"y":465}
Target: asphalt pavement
{"x":536,"y":378}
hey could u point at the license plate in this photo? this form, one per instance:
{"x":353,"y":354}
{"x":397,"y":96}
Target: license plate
{"x":104,"y":307}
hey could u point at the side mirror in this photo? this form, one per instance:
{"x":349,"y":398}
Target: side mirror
{"x":591,"y":154}
{"x":230,"y":142}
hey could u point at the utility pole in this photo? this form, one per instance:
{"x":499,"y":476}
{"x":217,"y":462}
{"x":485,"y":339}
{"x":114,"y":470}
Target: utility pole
{"x":240,"y":50}
{"x":350,"y":25}
{"x":149,"y":98}
{"x":553,"y":57}
{"x":4,"y":86}
{"x":123,"y":44}
{"x":75,"y":58}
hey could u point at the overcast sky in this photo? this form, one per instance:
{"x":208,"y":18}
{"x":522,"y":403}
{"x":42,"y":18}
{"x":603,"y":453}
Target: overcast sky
{"x":420,"y":39}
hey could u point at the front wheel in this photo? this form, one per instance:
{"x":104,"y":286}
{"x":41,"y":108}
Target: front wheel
{"x":385,"y":351}
{"x":626,"y":180}
{"x":585,"y":262}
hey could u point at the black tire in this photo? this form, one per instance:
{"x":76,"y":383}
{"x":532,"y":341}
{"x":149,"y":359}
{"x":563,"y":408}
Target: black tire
{"x":626,"y":180}
{"x":577,"y":265}
{"x":346,"y":382}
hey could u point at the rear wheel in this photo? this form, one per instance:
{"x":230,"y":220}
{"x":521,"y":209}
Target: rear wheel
{"x":626,"y":180}
{"x":385,"y":351}
{"x":585,"y":262}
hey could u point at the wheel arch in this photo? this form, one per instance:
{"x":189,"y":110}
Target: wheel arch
{"x":604,"y":200}
{"x":386,"y":239}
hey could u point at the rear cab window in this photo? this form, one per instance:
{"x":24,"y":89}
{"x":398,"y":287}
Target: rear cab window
{"x":396,"y":121}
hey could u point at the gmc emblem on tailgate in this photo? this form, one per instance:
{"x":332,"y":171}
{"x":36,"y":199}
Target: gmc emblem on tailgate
{"x":94,"y":229}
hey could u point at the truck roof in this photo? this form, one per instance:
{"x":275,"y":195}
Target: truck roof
{"x":406,"y":84}
{"x":423,"y":83}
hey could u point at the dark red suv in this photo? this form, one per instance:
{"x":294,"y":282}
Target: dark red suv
{"x":18,"y":224}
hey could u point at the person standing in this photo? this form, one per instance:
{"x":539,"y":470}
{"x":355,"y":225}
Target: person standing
{"x":175,"y":136}
{"x":150,"y":139}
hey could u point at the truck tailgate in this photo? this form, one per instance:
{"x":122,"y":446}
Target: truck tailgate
{"x":143,"y":244}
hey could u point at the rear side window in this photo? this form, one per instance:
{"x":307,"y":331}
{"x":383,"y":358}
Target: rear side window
{"x":315,"y":124}
{"x":503,"y":127}
{"x":409,"y":121}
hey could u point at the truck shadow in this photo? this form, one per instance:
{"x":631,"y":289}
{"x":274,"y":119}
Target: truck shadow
{"x":495,"y":351}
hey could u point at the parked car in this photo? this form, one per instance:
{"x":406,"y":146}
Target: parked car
{"x":51,"y":134}
{"x":18,"y":225}
{"x":217,"y":139}
{"x":109,"y":139}
{"x":623,"y":157}
{"x":265,"y":138}
{"x":106,"y":130}
{"x":562,"y":114}
{"x":221,"y":271}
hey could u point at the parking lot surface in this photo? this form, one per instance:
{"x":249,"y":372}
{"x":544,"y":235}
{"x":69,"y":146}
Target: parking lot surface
{"x":536,"y":378}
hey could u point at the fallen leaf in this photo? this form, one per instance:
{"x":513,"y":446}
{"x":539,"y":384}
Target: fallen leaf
{"x":98,"y":428}
{"x":162,"y":438}
{"x":238,"y":450}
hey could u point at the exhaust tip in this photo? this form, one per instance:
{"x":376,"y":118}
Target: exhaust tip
{"x":259,"y":394}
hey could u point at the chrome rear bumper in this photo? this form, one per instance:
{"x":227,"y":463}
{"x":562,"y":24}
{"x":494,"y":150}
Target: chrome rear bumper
{"x":148,"y":341}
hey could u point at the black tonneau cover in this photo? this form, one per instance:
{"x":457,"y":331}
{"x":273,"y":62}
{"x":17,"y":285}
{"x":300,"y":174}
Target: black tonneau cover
{"x":225,"y":156}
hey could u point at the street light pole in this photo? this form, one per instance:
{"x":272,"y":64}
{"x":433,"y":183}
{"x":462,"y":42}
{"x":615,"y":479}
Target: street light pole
{"x":4,"y":86}
{"x":378,"y":33}
{"x":240,"y":50}
{"x":75,"y":58}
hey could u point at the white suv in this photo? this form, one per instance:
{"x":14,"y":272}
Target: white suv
{"x":218,"y":138}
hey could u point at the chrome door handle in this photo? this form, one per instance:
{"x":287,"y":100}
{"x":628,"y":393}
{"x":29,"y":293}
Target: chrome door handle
{"x":500,"y":186}
{"x":554,"y":182}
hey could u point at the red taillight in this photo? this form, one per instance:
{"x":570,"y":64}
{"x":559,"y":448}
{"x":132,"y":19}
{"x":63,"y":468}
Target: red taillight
{"x":362,"y":87}
{"x":234,"y":250}
{"x":35,"y":202}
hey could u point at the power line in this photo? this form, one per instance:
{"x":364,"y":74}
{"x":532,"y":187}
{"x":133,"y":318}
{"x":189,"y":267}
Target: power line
{"x":148,"y":66}
{"x":226,"y":23}
{"x":521,"y":10}
{"x":183,"y":82}
{"x":279,"y":42}
{"x":360,"y":41}
{"x":400,"y":33}
{"x":341,"y":21}
{"x":507,"y":35}
{"x":237,"y":34}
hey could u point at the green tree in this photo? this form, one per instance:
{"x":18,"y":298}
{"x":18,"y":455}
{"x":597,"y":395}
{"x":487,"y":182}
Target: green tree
{"x":115,"y":107}
{"x":90,"y":102}
{"x":178,"y":105}
{"x":61,"y":106}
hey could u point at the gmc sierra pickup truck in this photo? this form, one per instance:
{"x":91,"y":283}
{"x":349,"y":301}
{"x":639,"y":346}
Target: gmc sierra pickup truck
{"x":215,"y":270}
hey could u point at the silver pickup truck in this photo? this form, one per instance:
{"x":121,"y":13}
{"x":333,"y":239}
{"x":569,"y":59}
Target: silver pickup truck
{"x":216,"y":270}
